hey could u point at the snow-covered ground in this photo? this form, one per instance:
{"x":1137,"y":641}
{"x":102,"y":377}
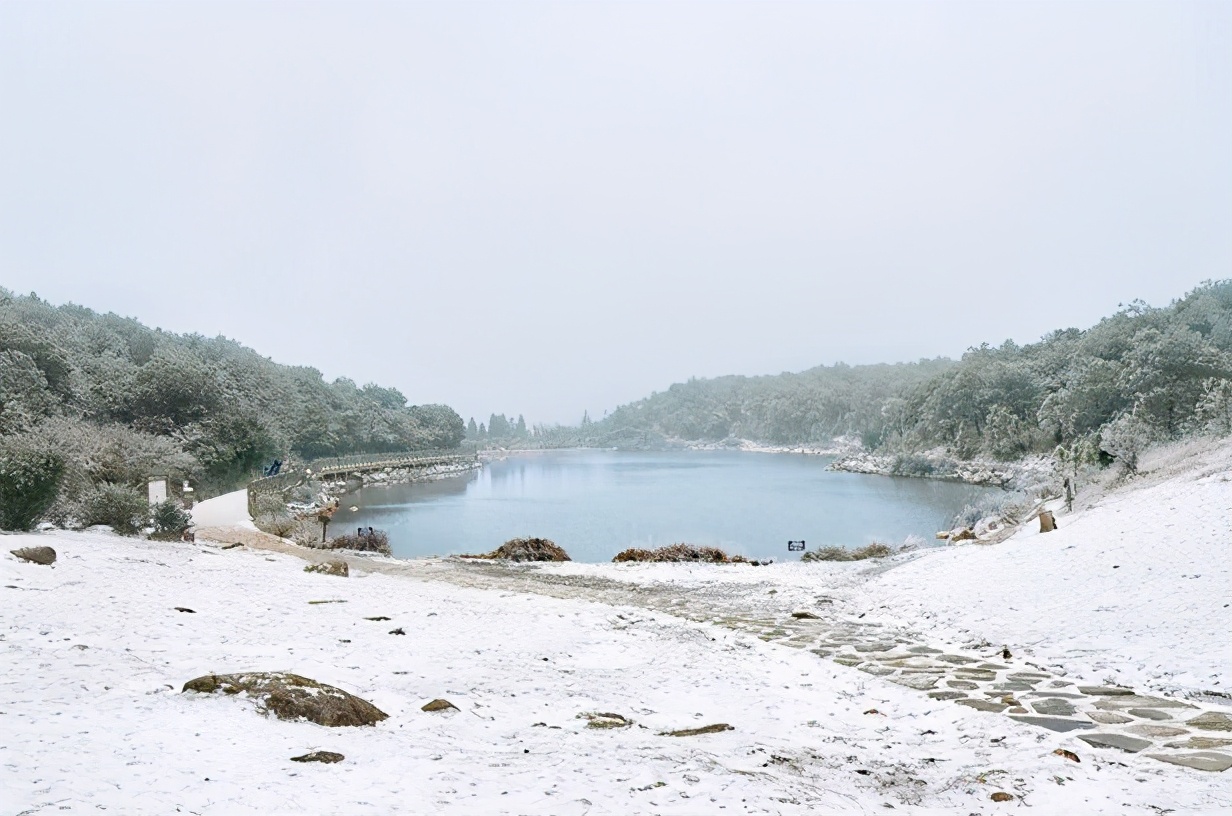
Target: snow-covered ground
{"x":94,"y":655}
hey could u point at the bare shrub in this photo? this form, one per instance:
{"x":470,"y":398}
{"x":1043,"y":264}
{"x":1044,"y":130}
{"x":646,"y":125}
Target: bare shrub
{"x":376,"y":541}
{"x":674,"y":553}
{"x":874,"y":550}
{"x":526,"y":549}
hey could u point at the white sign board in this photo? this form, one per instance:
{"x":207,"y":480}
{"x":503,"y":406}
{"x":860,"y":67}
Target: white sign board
{"x":158,"y":490}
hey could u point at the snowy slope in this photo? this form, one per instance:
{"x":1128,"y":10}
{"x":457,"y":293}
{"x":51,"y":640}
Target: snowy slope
{"x":92,"y":718}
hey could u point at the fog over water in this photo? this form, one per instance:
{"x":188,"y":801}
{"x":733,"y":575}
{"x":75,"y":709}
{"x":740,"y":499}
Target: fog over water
{"x":541,"y":208}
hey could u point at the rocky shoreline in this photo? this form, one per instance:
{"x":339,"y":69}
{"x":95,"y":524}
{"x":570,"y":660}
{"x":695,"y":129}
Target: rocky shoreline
{"x":337,"y":488}
{"x":1009,"y":475}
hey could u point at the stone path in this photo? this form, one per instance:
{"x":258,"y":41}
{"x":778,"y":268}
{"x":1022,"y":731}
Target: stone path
{"x":1110,"y":718}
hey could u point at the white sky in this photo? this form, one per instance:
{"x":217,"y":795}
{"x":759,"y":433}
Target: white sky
{"x":543,"y":207}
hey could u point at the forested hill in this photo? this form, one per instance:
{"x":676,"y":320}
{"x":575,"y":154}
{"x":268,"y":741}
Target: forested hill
{"x":1142,"y":374}
{"x":119,"y":401}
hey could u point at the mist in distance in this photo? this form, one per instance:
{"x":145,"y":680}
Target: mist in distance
{"x":543,"y":208}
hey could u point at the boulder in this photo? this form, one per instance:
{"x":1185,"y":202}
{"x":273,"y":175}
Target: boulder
{"x":1047,"y":521}
{"x":319,"y":756}
{"x":1212,"y":721}
{"x":439,"y":705}
{"x":338,"y":568}
{"x":697,"y":732}
{"x":291,"y":697}
{"x":965,"y":534}
{"x":38,"y":555}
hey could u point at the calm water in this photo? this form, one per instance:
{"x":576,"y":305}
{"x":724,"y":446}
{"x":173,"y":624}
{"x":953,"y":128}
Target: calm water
{"x":597,"y":503}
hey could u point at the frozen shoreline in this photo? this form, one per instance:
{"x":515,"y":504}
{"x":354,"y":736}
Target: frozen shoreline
{"x":106,"y":725}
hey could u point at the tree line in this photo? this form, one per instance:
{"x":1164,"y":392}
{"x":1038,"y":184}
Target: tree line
{"x":105,"y":402}
{"x":1143,"y":374}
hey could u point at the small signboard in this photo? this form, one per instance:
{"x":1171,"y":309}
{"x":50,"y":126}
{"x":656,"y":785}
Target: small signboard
{"x":795,"y":546}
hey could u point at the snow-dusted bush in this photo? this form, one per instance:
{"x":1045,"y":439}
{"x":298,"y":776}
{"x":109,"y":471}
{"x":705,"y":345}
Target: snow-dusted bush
{"x":999,"y":505}
{"x":29,"y":481}
{"x":1126,"y":437}
{"x":122,"y":508}
{"x":874,"y":550}
{"x":170,"y":520}
{"x":1214,"y":411}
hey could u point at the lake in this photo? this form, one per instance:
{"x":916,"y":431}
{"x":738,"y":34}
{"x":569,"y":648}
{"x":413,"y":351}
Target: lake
{"x":595,"y":503}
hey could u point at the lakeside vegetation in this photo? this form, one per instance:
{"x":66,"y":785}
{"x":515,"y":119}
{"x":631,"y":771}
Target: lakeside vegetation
{"x":92,"y":405}
{"x":1142,"y":375}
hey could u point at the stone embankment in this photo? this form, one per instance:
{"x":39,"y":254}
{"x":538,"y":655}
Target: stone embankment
{"x":1020,"y":474}
{"x":336,"y":487}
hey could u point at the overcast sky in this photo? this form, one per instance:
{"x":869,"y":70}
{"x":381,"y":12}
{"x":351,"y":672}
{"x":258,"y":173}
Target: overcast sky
{"x":541,"y":208}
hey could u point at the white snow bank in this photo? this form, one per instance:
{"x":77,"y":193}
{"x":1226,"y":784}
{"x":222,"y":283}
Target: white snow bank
{"x":1135,"y":590}
{"x":94,"y":656}
{"x":229,"y":509}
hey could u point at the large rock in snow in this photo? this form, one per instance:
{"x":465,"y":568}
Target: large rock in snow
{"x":291,"y":697}
{"x":39,"y":555}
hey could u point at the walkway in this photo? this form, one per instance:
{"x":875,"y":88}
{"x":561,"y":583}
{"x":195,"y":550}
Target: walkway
{"x":1112,"y":718}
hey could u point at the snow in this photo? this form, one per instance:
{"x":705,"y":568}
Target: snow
{"x":94,"y":657}
{"x":1136,"y":590}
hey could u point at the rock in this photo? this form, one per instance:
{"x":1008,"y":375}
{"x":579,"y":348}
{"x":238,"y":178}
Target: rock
{"x":947,"y":695}
{"x":378,"y":618}
{"x":873,"y":647}
{"x":338,"y":568}
{"x":1001,"y":796}
{"x":984,"y":705}
{"x":1202,"y":761}
{"x":37,"y":555}
{"x":1149,"y":714}
{"x":965,"y":534}
{"x":606,"y":719}
{"x":1059,"y":724}
{"x":1148,"y":730}
{"x":1053,"y":707}
{"x":694,"y":732}
{"x":291,"y":697}
{"x":1047,"y":521}
{"x":1108,"y":718}
{"x":875,"y":670}
{"x":398,"y":631}
{"x":439,"y":705}
{"x":1070,"y":755}
{"x":1123,"y":742}
{"x":185,"y":609}
{"x":924,"y":650}
{"x":920,"y":682}
{"x":962,"y":684}
{"x":957,"y":659}
{"x":1200,"y":742}
{"x":804,"y":615}
{"x":1100,"y":691}
{"x":1211,"y":721}
{"x":1138,"y":701}
{"x":319,"y":756}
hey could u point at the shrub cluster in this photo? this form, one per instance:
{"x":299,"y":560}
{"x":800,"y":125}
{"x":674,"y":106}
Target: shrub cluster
{"x":377,"y":541}
{"x":526,"y":549}
{"x":874,"y":550}
{"x":29,"y":483}
{"x":674,"y":553}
